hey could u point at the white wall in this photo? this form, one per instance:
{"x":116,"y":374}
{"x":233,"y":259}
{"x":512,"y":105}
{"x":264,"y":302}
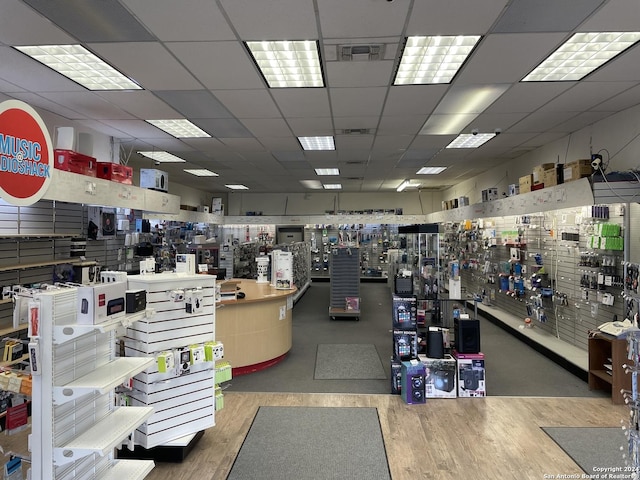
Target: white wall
{"x":618,"y":134}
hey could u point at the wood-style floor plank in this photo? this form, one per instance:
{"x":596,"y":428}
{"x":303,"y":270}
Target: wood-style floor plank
{"x":492,"y":437}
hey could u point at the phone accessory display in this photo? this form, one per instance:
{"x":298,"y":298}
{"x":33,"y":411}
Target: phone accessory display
{"x":166,"y":362}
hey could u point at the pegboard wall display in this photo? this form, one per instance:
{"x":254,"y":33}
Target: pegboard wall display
{"x":563,"y":270}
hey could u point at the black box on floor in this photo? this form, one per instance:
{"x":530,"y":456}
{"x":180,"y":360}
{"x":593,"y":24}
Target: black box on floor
{"x":404,"y":310}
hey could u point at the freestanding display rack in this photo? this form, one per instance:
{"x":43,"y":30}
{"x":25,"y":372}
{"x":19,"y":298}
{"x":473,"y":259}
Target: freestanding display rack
{"x":75,"y":423}
{"x":345,"y":282}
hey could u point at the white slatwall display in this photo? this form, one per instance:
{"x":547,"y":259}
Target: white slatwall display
{"x":75,"y":424}
{"x":183,"y":396}
{"x":576,"y":304}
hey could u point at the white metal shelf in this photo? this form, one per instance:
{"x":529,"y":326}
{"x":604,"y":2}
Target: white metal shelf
{"x":102,"y":379}
{"x":104,"y":436}
{"x":129,"y":470}
{"x":64,"y":333}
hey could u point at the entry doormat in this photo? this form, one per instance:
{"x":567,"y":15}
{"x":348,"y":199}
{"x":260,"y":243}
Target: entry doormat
{"x":348,"y":361}
{"x":313,"y":443}
{"x":594,"y":449}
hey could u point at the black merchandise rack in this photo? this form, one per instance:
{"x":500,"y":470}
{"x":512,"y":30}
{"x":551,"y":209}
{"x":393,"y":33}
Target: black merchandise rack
{"x":345,"y":282}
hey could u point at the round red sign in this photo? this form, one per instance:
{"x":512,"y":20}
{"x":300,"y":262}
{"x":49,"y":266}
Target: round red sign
{"x":26,"y":154}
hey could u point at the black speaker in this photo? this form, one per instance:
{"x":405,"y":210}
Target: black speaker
{"x":435,"y":344}
{"x":466,"y":335}
{"x":444,"y":380}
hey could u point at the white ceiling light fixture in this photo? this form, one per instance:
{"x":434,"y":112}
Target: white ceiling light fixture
{"x":406,"y":184}
{"x":179,"y":128}
{"x":581,"y":55}
{"x":327,"y":171}
{"x":332,"y":186}
{"x":80,"y":65}
{"x":471,"y":140}
{"x":430,"y":170}
{"x":162,"y":157}
{"x":433,"y":59}
{"x":237,"y":187}
{"x":288,"y":64}
{"x":317,"y":143}
{"x":201,"y":172}
{"x":313,"y":184}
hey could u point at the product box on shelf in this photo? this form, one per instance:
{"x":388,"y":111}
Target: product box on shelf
{"x":489,"y":194}
{"x":404,"y":310}
{"x":577,"y":169}
{"x":75,"y":162}
{"x":525,"y":183}
{"x":101,"y":302}
{"x":538,"y":171}
{"x":115,"y":172}
{"x":412,"y":382}
{"x":396,"y":377}
{"x":405,"y":344}
{"x":440,"y":376}
{"x":514,"y":189}
{"x":471,"y":374}
{"x":154,"y":179}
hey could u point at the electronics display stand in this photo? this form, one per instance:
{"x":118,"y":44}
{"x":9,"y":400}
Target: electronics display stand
{"x":606,"y":359}
{"x":345,"y":282}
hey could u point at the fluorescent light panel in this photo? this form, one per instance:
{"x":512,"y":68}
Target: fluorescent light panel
{"x":317,"y":143}
{"x":313,"y":184}
{"x":406,"y":184}
{"x":581,"y":55}
{"x":469,"y":140}
{"x":162,"y":157}
{"x":179,"y":128}
{"x":433,"y":59}
{"x":332,"y":186}
{"x":327,"y":171}
{"x":201,"y":172}
{"x":431,"y":170}
{"x":237,"y":187}
{"x":286,"y":64}
{"x":80,"y":65}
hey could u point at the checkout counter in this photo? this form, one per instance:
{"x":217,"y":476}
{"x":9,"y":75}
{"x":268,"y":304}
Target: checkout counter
{"x":256,"y":330}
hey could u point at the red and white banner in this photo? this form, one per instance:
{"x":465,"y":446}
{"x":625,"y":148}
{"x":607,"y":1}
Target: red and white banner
{"x":26,"y":154}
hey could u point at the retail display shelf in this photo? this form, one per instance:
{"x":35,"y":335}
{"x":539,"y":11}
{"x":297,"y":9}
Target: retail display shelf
{"x":64,"y":333}
{"x":5,"y":332}
{"x":6,"y":300}
{"x":27,"y":266}
{"x":23,"y":358}
{"x":128,"y":469}
{"x":102,"y":379}
{"x":104,"y":436}
{"x":38,"y":235}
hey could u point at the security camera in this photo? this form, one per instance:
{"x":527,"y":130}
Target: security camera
{"x":497,"y":131}
{"x":474,"y":131}
{"x":156,"y":163}
{"x":596,"y":163}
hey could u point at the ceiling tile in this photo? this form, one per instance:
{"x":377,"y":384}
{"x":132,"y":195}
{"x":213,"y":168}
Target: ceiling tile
{"x":88,"y":104}
{"x":620,"y":15}
{"x":223,"y":128}
{"x":539,"y":122}
{"x":490,"y":122}
{"x":141,"y":104}
{"x":447,"y":18}
{"x":413,"y":99}
{"x":349,"y":102}
{"x":622,"y":68}
{"x":621,"y":101}
{"x":359,"y":74}
{"x":138,"y":129}
{"x":585,"y":95}
{"x":267,"y":127}
{"x":248,"y":103}
{"x":40,"y":102}
{"x":195,"y":104}
{"x":186,"y":20}
{"x":355,"y":123}
{"x":279,"y":143}
{"x":310,"y":127}
{"x":149,"y":64}
{"x":401,"y":125}
{"x":525,"y":97}
{"x":528,"y":16}
{"x":242,"y":144}
{"x":354,"y":141}
{"x":41,"y":31}
{"x":362,"y":18}
{"x":296,"y":102}
{"x":93,"y":20}
{"x":204,"y":58}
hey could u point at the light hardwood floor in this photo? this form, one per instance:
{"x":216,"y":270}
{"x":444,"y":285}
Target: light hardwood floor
{"x":479,"y":438}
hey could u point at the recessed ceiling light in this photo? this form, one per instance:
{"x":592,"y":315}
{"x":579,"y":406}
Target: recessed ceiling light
{"x":180,"y":128}
{"x":237,"y":187}
{"x":332,"y":186}
{"x":431,"y":170}
{"x":327,"y":171}
{"x":80,"y":65}
{"x":470,"y":140}
{"x":162,"y":157}
{"x":313,"y":184}
{"x":201,"y":172}
{"x":581,"y":55}
{"x":406,"y":184}
{"x":434,"y":59}
{"x":286,"y":64}
{"x":317,"y":143}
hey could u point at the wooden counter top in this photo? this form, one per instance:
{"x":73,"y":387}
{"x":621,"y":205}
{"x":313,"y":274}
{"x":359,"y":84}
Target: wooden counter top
{"x":257,"y":292}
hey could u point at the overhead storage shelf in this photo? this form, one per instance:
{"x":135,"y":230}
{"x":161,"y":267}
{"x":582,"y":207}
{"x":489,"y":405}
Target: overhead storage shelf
{"x":104,"y":436}
{"x":102,"y":379}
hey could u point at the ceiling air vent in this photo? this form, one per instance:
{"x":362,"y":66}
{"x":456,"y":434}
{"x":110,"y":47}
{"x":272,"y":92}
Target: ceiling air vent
{"x":355,"y":162}
{"x":356,"y":131}
{"x":360,"y":53}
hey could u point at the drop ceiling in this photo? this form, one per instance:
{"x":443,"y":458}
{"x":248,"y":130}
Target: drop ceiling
{"x":189,"y":58}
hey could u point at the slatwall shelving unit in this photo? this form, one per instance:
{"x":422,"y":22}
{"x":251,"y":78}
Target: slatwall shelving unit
{"x":345,"y":281}
{"x":76,"y":426}
{"x":182,"y":396}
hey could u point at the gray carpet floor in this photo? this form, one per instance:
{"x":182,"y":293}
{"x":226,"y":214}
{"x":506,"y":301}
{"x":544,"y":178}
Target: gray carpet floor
{"x":314,"y":443}
{"x":512,"y":367}
{"x":348,"y":361}
{"x":593,"y":448}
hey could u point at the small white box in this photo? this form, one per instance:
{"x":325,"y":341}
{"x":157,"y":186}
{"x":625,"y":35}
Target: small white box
{"x":186,"y":263}
{"x":154,"y":179}
{"x":102,"y":302}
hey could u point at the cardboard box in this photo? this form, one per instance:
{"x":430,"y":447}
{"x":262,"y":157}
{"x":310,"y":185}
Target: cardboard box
{"x":471,"y":374}
{"x":75,"y":162}
{"x":115,"y":172}
{"x":525,"y":183}
{"x":539,"y":170}
{"x":440,"y":376}
{"x":577,"y":169}
{"x":550,"y":178}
